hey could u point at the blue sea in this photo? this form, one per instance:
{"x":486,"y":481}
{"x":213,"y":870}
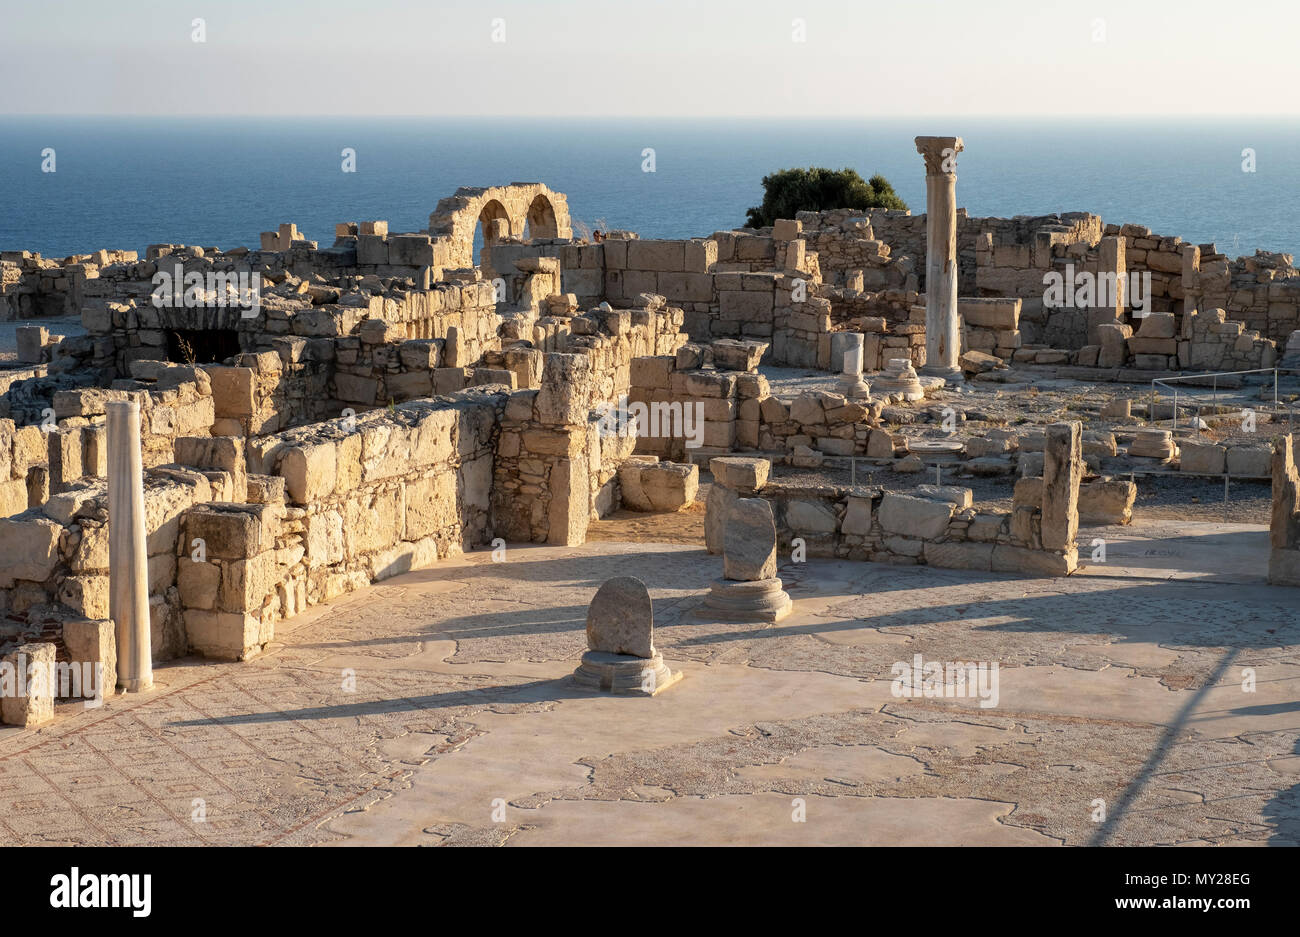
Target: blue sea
{"x":128,"y":182}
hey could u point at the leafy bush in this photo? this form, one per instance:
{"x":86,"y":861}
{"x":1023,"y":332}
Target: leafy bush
{"x":818,"y":189}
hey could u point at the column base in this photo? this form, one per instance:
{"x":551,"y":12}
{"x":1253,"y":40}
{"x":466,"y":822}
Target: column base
{"x":623,"y":674}
{"x":853,"y":389}
{"x":135,"y":686}
{"x":949,"y":375}
{"x":761,"y":601}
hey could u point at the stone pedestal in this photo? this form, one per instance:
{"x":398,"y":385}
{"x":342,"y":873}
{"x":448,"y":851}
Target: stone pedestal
{"x":942,"y":324}
{"x":900,"y":378}
{"x":763,"y":600}
{"x":1153,"y":444}
{"x":621,"y":657}
{"x":128,"y":583}
{"x":624,"y":674}
{"x":750,"y":590}
{"x":846,"y":352}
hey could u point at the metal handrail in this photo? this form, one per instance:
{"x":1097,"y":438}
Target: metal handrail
{"x":1166,"y":381}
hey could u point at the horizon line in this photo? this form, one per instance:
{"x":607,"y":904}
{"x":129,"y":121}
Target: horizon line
{"x":710,"y":117}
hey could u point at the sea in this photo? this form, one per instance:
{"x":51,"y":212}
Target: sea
{"x":126,"y":182}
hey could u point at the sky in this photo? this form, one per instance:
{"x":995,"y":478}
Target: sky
{"x":650,"y":58}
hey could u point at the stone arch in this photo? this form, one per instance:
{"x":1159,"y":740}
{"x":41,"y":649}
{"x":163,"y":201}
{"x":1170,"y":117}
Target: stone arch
{"x":457,"y":216}
{"x":540,"y":218}
{"x":494,"y":223}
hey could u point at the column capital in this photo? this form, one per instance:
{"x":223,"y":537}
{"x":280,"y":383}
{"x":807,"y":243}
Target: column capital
{"x":940,"y":154}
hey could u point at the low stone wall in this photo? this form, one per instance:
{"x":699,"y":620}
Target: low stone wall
{"x":933,"y":525}
{"x":54,"y":559}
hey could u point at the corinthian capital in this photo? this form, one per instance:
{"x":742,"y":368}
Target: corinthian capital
{"x":940,"y":154}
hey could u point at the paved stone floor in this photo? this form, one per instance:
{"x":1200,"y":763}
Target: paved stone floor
{"x":1121,"y":685}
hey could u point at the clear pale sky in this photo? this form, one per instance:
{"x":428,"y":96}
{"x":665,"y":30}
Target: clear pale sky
{"x":650,"y":57}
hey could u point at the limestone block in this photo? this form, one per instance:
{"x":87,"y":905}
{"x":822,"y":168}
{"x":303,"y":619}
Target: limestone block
{"x":233,"y":390}
{"x":1013,"y":559}
{"x":810,"y":517}
{"x":245,"y":584}
{"x":569,"y":512}
{"x":232,"y":531}
{"x":27,"y":669}
{"x":744,"y":475}
{"x":225,"y":635}
{"x":735,"y":355}
{"x":656,"y":255}
{"x":1249,"y":461}
{"x":92,"y":641}
{"x":786,"y":229}
{"x":881,"y":444}
{"x":373,"y":521}
{"x":909,"y":516}
{"x":667,"y":486}
{"x":1157,"y":325}
{"x":324,"y":538}
{"x":716,"y":507}
{"x":198,"y":582}
{"x":857,"y":517}
{"x":1107,"y":501}
{"x":1062,"y":471}
{"x":1202,"y":458}
{"x":308,"y":471}
{"x":29,"y":549}
{"x":749,"y":541}
{"x":565,"y":395}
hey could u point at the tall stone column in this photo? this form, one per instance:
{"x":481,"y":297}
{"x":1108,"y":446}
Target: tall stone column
{"x":128,"y":572}
{"x":942,"y":326}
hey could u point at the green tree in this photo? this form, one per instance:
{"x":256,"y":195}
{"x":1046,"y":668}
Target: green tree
{"x":818,"y":189}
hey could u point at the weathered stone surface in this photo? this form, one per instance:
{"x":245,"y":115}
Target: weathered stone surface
{"x":1249,"y":461}
{"x":810,"y":517}
{"x":29,"y":548}
{"x":716,"y":508}
{"x":620,"y":619}
{"x":1153,"y":444}
{"x":92,"y":641}
{"x":1202,"y":458}
{"x":907,"y":516}
{"x":28,"y":668}
{"x":758,"y":601}
{"x":749,"y":541}
{"x":658,"y":486}
{"x":1062,"y":471}
{"x":1107,"y":501}
{"x":745,"y":476}
{"x":857,"y":517}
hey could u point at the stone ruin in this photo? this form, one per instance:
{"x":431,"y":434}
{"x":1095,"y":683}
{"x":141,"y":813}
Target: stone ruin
{"x":387,"y":402}
{"x":621,"y":656}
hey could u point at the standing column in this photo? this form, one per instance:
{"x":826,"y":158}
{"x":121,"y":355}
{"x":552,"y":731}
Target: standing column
{"x":942,"y":326}
{"x":128,"y":569}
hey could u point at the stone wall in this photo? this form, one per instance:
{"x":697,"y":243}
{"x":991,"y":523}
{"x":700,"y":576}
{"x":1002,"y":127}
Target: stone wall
{"x":934,"y":525}
{"x":54,"y":558}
